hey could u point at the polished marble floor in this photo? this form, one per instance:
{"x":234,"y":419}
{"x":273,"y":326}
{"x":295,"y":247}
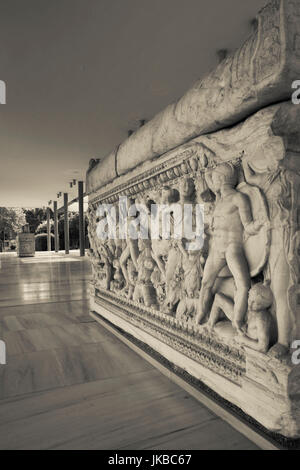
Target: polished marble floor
{"x":70,"y":384}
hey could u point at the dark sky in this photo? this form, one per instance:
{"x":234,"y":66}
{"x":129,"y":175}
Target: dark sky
{"x":80,"y":73}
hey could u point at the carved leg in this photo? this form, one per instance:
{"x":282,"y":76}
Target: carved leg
{"x":181,"y":310}
{"x":138,"y":293}
{"x":239,"y":268}
{"x":212,"y":268}
{"x":123,"y":260}
{"x":149,"y":295}
{"x":221,"y":305}
{"x":109,"y":272}
{"x":130,"y":291}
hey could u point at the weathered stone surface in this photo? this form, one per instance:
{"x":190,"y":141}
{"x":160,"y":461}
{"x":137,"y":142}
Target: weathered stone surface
{"x":260,"y":73}
{"x":101,"y":172}
{"x":227,"y":311}
{"x":234,"y":321}
{"x":25,"y":245}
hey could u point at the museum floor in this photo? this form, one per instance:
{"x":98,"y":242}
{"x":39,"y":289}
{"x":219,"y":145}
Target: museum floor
{"x":70,"y":384}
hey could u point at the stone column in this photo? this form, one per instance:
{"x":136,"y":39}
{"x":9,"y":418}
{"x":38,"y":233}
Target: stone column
{"x":56,"y":238}
{"x":48,"y":230}
{"x":66,"y":226}
{"x":81,"y":219}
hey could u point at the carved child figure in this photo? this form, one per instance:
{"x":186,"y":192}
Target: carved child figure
{"x":256,"y":332}
{"x":144,"y":290}
{"x":192,"y":262}
{"x":117,"y":282}
{"x":158,"y":280}
{"x":231,"y":220}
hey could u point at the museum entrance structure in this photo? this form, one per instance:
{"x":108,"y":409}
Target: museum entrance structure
{"x":225,"y":311}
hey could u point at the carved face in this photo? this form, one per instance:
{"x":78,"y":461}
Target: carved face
{"x":217,"y":180}
{"x":255,"y":303}
{"x":224,"y":174}
{"x":260,"y":298}
{"x":187,"y":187}
{"x":149,"y":263}
{"x":166,"y":193}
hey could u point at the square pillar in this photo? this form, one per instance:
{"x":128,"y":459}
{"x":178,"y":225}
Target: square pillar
{"x":81,"y":219}
{"x":66,"y":225}
{"x":56,"y":238}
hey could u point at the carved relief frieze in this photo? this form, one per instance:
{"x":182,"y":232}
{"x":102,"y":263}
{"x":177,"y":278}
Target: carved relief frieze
{"x":227,"y":297}
{"x":243,"y":282}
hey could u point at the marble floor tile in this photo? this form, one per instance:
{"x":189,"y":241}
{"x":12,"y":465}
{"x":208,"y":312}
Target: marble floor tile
{"x":70,"y":384}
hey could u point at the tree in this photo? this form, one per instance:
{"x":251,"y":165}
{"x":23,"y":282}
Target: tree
{"x":11,"y":222}
{"x":73,"y":229}
{"x":34,"y":217}
{"x":42,"y":228}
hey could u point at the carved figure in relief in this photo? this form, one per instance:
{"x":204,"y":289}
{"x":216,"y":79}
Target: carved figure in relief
{"x":187,"y":264}
{"x":231,"y":220}
{"x":103,"y":253}
{"x":117,"y":282}
{"x":191,"y":268}
{"x":158,"y":280}
{"x":173,"y":292}
{"x":144,"y":291}
{"x":161,"y":250}
{"x":192,"y":262}
{"x":106,"y":259}
{"x":280,"y":188}
{"x":132,"y":278}
{"x":257,"y":332}
{"x":161,"y":247}
{"x":130,"y":252}
{"x":187,"y":190}
{"x":92,"y":250}
{"x":158,"y":277}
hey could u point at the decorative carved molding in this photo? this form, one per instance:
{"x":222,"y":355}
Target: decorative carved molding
{"x":186,"y":338}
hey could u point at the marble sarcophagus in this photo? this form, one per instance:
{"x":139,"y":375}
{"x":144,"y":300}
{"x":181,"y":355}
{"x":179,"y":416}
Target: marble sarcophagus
{"x":223,"y":303}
